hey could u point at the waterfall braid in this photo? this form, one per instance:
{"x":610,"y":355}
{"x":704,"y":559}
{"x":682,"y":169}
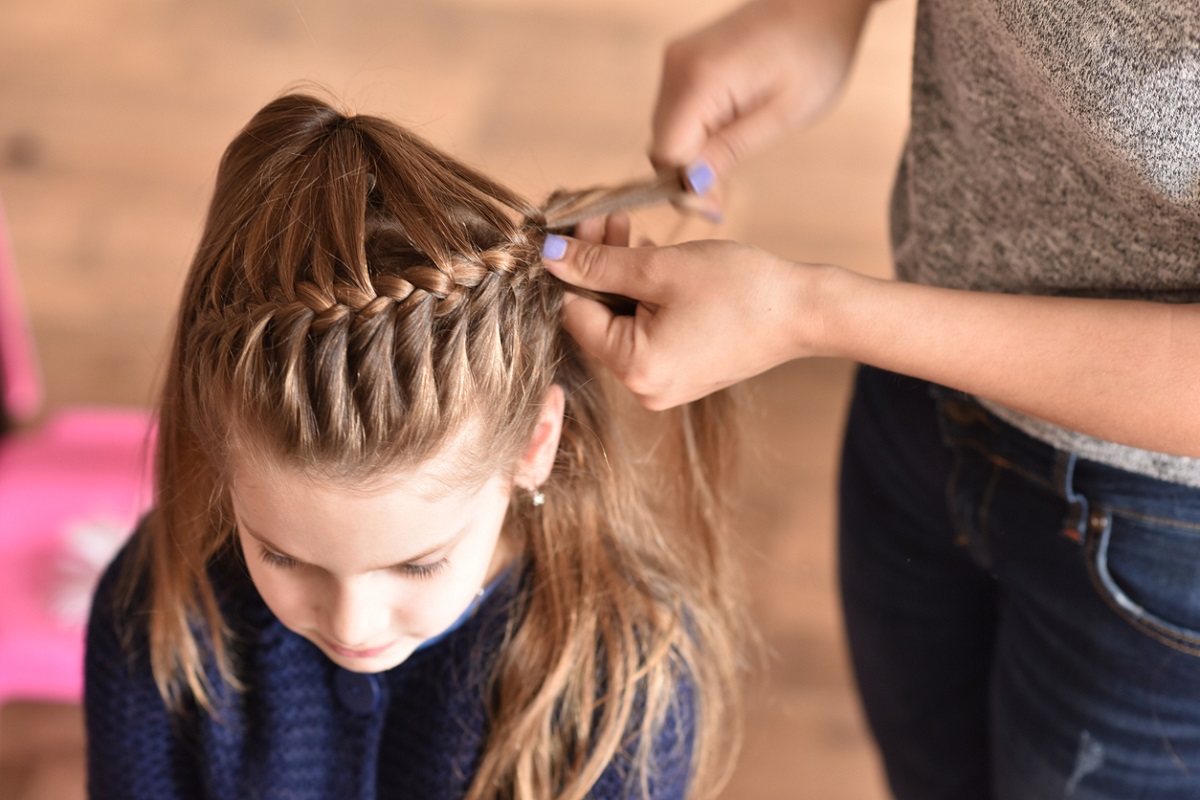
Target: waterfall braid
{"x":359,"y":298}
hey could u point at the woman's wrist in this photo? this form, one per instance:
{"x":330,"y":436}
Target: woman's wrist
{"x":825,"y":297}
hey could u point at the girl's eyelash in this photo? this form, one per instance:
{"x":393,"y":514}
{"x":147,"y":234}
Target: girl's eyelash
{"x":424,"y":570}
{"x":276,"y":560}
{"x":413,"y":570}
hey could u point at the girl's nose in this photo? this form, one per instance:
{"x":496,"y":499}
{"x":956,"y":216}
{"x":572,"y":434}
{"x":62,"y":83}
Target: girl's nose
{"x":358,"y":618}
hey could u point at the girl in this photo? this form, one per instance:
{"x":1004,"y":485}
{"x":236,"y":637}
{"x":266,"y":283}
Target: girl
{"x":398,"y":548}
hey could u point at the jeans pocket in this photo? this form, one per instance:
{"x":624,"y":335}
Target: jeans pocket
{"x":970,"y":491}
{"x":1148,"y":570}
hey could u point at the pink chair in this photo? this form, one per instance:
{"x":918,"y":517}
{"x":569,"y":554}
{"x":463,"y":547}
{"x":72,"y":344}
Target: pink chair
{"x":71,"y":490}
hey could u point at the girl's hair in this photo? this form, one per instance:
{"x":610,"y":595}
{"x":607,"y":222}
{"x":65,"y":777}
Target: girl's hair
{"x":357,"y":298}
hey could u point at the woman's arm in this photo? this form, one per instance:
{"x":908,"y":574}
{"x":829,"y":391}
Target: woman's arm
{"x":714,"y":313}
{"x":1119,"y":370}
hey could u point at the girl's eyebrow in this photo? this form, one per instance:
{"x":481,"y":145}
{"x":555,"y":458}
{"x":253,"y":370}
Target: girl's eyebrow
{"x":423,"y":554}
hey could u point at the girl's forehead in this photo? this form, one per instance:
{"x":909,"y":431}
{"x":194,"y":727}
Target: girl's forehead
{"x":458,"y":467}
{"x":430,"y":485}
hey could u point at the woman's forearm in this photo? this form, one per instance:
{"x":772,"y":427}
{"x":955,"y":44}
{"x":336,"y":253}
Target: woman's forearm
{"x":714,"y":313}
{"x":1125,"y":371}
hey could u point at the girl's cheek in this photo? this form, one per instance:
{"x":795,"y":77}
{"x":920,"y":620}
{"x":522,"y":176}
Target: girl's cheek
{"x":431,"y":608}
{"x":416,"y":604}
{"x":287,"y":596}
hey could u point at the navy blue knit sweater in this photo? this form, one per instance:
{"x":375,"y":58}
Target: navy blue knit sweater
{"x":306,"y":728}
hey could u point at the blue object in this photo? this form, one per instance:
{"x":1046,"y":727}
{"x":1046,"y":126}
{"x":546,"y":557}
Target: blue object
{"x":358,"y":692}
{"x":554,"y":248}
{"x":700,"y":177}
{"x":1023,"y":623}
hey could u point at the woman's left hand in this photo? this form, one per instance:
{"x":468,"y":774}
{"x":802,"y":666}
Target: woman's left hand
{"x":613,"y":230}
{"x":709,"y":314}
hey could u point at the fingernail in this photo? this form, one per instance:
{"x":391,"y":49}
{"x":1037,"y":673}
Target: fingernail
{"x":700,"y":177}
{"x":554,"y":248}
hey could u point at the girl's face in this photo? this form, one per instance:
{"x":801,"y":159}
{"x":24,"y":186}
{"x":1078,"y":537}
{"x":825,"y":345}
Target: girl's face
{"x":368,"y":576}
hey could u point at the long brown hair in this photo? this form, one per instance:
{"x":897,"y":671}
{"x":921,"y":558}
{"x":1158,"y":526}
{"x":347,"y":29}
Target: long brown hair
{"x":356,"y":298}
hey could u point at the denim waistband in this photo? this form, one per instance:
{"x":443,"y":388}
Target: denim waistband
{"x":966,"y":421}
{"x":1167,"y":467}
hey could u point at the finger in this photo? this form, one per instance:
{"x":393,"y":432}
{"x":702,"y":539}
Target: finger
{"x":617,"y":229}
{"x":617,"y":270}
{"x":707,"y":206}
{"x":685,"y":110}
{"x":591,"y":230}
{"x":678,"y":138}
{"x":690,"y":128}
{"x":732,"y":143}
{"x":605,"y":336}
{"x":696,"y":129}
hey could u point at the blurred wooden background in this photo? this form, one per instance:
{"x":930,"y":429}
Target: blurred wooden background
{"x":115,"y":114}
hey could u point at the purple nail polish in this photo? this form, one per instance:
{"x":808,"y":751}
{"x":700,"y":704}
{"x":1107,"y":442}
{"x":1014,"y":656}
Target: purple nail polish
{"x":700,"y":177}
{"x":554,"y":248}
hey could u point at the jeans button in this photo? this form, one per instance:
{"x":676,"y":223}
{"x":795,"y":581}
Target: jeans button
{"x":358,"y":692}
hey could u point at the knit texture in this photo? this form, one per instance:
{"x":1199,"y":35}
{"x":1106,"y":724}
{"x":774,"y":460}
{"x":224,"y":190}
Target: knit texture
{"x":1054,"y":149}
{"x":307,"y":729}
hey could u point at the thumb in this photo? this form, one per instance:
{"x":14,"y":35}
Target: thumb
{"x":600,"y":268}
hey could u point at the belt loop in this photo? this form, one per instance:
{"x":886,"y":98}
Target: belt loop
{"x":1075,"y":525}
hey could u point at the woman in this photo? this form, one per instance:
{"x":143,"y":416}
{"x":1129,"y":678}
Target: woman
{"x":1020,"y":514}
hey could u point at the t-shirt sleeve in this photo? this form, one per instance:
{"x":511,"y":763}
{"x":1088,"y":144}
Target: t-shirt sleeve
{"x":135,"y":748}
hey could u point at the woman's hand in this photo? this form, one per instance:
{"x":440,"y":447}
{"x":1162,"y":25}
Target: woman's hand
{"x":613,"y":230}
{"x":732,"y":87}
{"x":714,"y":313}
{"x":709,"y":314}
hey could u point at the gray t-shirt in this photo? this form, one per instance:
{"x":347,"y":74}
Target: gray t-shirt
{"x":1055,"y":150}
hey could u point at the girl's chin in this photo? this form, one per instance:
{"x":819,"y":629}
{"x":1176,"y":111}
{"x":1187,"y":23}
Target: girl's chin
{"x":379,"y":659}
{"x":376,"y":664}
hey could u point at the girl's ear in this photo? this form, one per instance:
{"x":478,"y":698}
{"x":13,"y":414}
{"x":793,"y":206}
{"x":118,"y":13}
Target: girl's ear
{"x":534,"y":467}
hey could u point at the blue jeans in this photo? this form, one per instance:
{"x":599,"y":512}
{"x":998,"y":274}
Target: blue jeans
{"x":1023,"y":624}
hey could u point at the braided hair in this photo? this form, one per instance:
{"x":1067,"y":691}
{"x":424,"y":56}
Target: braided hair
{"x":357,"y":299}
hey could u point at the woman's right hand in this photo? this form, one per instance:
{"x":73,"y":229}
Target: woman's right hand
{"x":737,"y":84}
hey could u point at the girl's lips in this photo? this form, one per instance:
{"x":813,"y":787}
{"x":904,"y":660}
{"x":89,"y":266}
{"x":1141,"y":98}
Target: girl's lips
{"x":346,"y":652}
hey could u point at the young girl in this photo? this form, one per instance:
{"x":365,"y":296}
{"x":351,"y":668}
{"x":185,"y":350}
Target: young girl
{"x":398,"y":548}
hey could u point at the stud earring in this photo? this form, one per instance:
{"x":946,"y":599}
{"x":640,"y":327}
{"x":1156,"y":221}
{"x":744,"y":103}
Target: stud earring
{"x":536,"y":497}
